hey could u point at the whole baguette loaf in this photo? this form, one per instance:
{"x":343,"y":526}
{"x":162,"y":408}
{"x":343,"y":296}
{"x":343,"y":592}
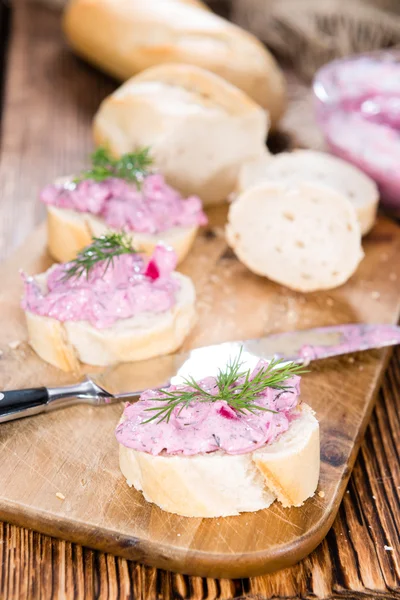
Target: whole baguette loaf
{"x":199,"y":127}
{"x":306,"y":237}
{"x":316,"y":167}
{"x":219,"y":484}
{"x":124,"y":37}
{"x":66,"y":344}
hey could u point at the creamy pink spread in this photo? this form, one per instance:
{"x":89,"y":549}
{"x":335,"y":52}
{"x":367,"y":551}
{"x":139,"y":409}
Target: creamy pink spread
{"x":131,"y":285}
{"x":358,"y":107}
{"x":208,"y":426}
{"x":152,"y":208}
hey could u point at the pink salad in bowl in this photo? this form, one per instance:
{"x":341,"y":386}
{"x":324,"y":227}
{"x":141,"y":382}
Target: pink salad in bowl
{"x":358,"y":108}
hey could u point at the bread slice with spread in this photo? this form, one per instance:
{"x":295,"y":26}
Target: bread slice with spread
{"x":119,"y":195}
{"x":200,"y":128}
{"x":110,"y":305}
{"x":204,"y":449}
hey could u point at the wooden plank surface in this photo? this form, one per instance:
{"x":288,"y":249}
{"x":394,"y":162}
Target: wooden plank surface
{"x":351,"y":562}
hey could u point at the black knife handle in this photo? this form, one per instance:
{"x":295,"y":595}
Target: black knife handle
{"x":18,"y":400}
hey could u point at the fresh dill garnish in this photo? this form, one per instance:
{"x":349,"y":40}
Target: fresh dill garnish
{"x":234,"y":386}
{"x":132,"y":167}
{"x":103,"y":248}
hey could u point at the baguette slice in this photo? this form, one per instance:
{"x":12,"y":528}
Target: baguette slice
{"x":68,"y":231}
{"x":200,"y":128}
{"x":220,"y":485}
{"x":305,"y":237}
{"x":316,"y":167}
{"x":66,"y":344}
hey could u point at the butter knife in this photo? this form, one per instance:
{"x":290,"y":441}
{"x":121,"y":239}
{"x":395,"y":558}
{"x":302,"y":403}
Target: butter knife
{"x":127,"y":381}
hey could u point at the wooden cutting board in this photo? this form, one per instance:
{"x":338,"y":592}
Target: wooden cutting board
{"x":59,"y":472}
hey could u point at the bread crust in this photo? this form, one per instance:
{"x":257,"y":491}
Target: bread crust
{"x":315,"y":167}
{"x":69,"y":231}
{"x":199,"y":127}
{"x":218,"y":484}
{"x":66,"y":344}
{"x":124,"y":37}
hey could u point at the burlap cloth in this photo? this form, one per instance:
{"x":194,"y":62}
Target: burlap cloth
{"x":309,"y":33}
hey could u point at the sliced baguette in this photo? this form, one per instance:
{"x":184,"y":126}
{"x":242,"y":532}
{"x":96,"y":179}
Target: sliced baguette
{"x":220,"y":485}
{"x":199,"y":127}
{"x":68,"y":231}
{"x":316,"y":167}
{"x":305,"y":237}
{"x":65,"y":344}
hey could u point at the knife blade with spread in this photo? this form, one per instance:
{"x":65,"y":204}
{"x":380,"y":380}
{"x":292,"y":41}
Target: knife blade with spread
{"x":125,"y":381}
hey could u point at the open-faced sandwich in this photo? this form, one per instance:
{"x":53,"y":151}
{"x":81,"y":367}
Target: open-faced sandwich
{"x":119,"y":195}
{"x":109,"y":305}
{"x":223,"y":445}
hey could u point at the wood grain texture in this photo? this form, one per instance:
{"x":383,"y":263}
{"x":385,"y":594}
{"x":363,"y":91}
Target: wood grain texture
{"x":351,"y":562}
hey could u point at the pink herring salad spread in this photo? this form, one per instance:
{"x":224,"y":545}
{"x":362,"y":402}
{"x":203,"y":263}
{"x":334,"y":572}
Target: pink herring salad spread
{"x":205,"y":427}
{"x":152,"y":208}
{"x":130,"y":285}
{"x":358,"y":107}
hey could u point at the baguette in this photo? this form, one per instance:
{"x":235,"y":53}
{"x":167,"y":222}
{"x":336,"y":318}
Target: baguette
{"x":199,"y":127}
{"x":219,"y":484}
{"x":124,"y":37}
{"x":319,"y":167}
{"x":305,"y":237}
{"x":66,"y":344}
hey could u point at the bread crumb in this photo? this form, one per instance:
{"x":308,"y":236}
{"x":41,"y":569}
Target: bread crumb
{"x":388,"y":548}
{"x":347,"y":491}
{"x":329,"y":302}
{"x":321,"y":494}
{"x":374,"y":497}
{"x":60,"y":496}
{"x":14,"y":345}
{"x":178,"y":534}
{"x":393,"y":277}
{"x":375,"y":295}
{"x":83,"y":482}
{"x":351,"y":359}
{"x":384,"y":257}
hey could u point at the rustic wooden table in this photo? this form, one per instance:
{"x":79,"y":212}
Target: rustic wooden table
{"x":47,"y":102}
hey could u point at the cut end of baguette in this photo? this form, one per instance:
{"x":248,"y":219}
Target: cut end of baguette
{"x":200,"y":127}
{"x":67,"y":344}
{"x":220,"y":485}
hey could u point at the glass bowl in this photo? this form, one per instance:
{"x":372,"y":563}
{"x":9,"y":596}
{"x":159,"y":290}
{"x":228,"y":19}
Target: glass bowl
{"x":357,"y":102}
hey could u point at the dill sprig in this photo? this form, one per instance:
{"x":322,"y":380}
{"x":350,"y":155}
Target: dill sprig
{"x":233,"y":385}
{"x":132,"y":167}
{"x":104,"y":248}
